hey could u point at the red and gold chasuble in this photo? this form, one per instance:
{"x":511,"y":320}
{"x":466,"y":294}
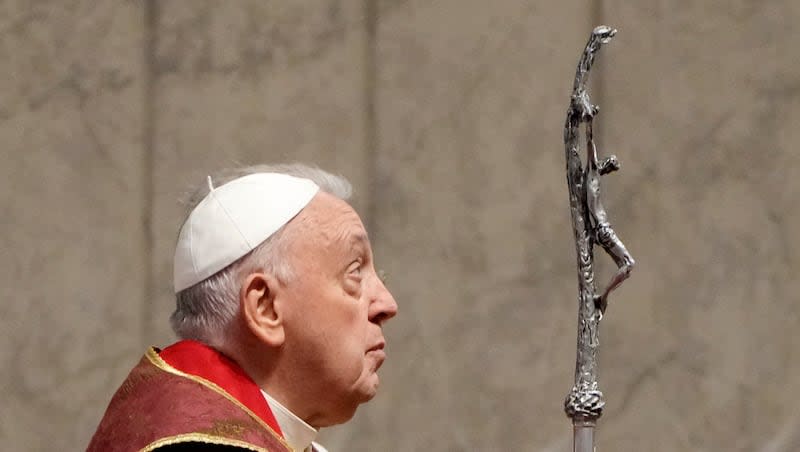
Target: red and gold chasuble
{"x":187,"y":394}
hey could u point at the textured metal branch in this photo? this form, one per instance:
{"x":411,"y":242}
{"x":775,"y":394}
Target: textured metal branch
{"x":584,"y":404}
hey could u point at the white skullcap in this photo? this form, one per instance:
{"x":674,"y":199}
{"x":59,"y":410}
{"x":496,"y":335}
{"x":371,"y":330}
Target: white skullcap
{"x":234,"y":219}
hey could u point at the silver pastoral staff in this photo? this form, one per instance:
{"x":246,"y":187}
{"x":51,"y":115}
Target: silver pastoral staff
{"x":584,"y":404}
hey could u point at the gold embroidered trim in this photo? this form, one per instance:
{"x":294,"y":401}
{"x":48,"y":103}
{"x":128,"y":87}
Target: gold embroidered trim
{"x":156,"y":360}
{"x":200,"y":438}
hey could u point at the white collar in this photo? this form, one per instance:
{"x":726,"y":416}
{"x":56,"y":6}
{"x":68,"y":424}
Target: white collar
{"x":297,"y":433}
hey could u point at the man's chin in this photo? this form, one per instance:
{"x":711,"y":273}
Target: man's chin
{"x":369,"y":388}
{"x":369,"y":394}
{"x":362,"y":393}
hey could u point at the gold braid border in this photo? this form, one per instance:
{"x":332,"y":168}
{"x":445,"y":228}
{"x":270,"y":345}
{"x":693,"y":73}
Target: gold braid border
{"x":200,"y":438}
{"x":156,"y":360}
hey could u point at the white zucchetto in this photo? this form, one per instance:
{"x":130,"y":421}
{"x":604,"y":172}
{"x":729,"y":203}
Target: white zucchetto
{"x":234,"y":219}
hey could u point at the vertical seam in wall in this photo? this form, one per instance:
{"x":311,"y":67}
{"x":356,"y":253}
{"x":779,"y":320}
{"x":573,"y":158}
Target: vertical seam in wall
{"x":148,"y":190}
{"x":370,"y":9}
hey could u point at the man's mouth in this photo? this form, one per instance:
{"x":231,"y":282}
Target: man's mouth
{"x":378,"y":354}
{"x":379,"y":346}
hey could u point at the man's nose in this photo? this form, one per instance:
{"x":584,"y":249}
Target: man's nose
{"x":383,"y":305}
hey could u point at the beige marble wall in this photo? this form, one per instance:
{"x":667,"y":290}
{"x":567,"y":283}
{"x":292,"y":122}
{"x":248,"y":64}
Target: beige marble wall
{"x":71,"y":266}
{"x":702,"y":103}
{"x":447,"y":117}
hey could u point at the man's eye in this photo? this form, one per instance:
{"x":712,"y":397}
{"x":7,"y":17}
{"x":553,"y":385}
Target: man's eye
{"x":355,"y":269}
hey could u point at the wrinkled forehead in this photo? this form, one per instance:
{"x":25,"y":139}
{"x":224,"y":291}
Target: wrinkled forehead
{"x":328,"y":218}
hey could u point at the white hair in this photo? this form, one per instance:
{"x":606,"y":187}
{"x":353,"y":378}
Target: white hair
{"x":205,"y":310}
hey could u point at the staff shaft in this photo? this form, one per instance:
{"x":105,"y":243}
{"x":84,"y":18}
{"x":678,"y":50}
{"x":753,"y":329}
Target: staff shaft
{"x":583,"y":435}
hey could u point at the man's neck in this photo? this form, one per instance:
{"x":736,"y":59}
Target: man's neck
{"x":297,"y":433}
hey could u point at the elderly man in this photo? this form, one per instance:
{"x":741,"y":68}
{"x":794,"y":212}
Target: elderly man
{"x":280,"y":311}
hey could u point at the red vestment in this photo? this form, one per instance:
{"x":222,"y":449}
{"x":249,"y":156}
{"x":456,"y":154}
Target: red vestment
{"x":188,"y":394}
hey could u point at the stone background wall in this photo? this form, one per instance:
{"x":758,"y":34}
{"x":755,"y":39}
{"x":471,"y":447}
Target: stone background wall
{"x":447,"y":116}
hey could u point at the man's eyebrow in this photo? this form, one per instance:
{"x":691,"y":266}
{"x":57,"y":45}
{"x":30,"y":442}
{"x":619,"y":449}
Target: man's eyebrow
{"x":359,"y":240}
{"x":359,"y":237}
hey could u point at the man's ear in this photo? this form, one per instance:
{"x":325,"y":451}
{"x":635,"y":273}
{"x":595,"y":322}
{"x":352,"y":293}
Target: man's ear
{"x":261,"y":313}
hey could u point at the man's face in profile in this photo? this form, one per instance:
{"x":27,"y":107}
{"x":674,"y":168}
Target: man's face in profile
{"x":337,"y":305}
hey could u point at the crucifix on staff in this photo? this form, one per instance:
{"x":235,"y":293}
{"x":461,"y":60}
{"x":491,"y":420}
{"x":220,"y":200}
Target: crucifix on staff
{"x":591,"y":226}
